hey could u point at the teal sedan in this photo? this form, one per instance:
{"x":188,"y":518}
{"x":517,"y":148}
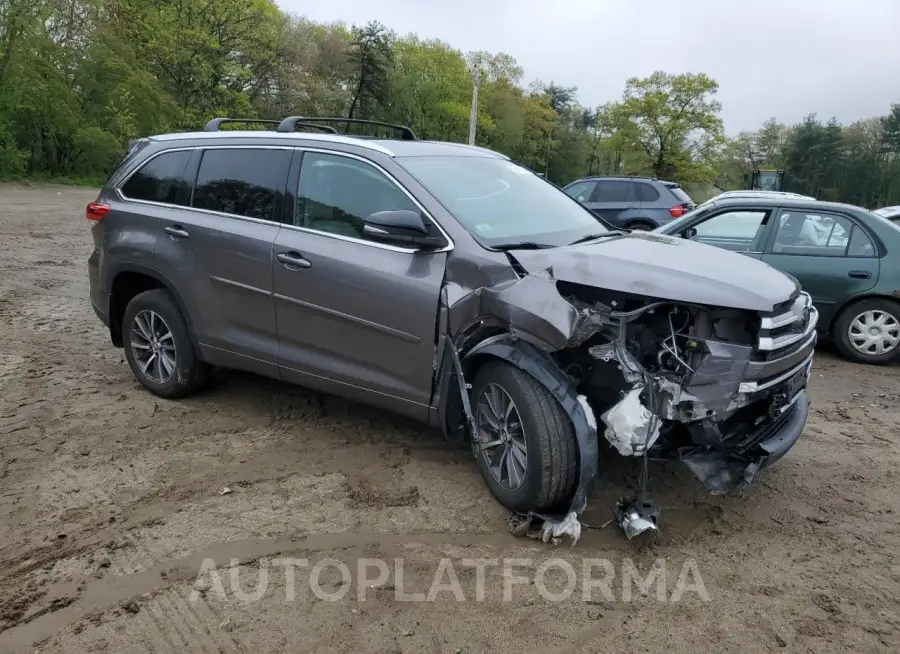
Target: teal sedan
{"x":846,"y":258}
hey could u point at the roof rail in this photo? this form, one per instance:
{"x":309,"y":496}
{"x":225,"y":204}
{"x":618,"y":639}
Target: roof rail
{"x":290,"y":124}
{"x":215,"y":124}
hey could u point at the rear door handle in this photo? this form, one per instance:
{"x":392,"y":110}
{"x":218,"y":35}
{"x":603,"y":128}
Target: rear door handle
{"x":860,"y":274}
{"x":292,"y":260}
{"x":177,"y":232}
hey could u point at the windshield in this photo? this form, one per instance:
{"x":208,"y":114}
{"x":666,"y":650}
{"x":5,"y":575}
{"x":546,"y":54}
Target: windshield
{"x":502,"y":203}
{"x":671,"y":227}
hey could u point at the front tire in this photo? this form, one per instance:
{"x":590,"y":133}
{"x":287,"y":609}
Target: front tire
{"x":158,"y":346}
{"x":525,"y":444}
{"x":869,"y":331}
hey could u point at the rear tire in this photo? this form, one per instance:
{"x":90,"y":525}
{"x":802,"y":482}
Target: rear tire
{"x":640,"y":227}
{"x":544,"y":474}
{"x":869,"y":331}
{"x":158,"y":346}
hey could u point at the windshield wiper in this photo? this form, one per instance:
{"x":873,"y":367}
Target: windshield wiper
{"x":591,"y":237}
{"x":524,"y":245}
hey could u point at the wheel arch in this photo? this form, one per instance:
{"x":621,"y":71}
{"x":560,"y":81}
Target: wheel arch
{"x":127,"y":281}
{"x":647,"y":222}
{"x":855,"y":299}
{"x":537,"y":364}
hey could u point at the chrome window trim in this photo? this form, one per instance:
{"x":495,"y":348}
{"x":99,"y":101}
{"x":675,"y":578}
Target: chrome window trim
{"x":393,"y":180}
{"x":382,"y":246}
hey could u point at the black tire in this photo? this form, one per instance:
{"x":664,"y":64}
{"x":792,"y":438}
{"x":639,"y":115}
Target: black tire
{"x":190,"y":374}
{"x":551,"y":466}
{"x":640,"y":226}
{"x":841,"y":330}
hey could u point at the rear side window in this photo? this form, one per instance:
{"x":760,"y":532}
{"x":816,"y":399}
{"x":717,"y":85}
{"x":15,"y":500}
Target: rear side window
{"x":581,"y":191}
{"x":160,"y":180}
{"x":612,"y":192}
{"x":860,"y":244}
{"x":243,"y":182}
{"x":646,"y":193}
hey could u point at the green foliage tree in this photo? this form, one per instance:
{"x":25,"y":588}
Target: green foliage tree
{"x":372,"y":57}
{"x":673,"y":120}
{"x":80,"y":78}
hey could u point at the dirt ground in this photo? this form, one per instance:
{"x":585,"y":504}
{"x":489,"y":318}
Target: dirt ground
{"x":111,"y":499}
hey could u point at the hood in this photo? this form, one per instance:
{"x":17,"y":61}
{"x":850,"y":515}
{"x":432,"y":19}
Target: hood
{"x":666,"y":267}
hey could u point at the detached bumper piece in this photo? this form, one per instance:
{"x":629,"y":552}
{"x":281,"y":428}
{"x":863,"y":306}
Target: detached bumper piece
{"x":722,"y":471}
{"x":637,"y":516}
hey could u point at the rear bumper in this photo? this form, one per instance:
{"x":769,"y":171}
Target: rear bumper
{"x":99,"y":298}
{"x":723,"y":471}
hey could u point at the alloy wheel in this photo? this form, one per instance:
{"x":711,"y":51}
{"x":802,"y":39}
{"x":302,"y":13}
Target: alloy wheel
{"x":153,"y":346}
{"x":501,"y":437}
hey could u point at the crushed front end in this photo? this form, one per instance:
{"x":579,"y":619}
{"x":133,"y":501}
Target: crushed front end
{"x":721,"y":390}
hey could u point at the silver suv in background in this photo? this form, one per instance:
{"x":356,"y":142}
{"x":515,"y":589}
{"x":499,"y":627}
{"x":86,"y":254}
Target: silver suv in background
{"x":448,"y":284}
{"x":637,"y":203}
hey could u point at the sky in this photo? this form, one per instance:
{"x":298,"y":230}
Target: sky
{"x":782,"y":59}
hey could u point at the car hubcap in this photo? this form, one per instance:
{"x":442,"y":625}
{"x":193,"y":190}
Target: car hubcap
{"x":501,"y":437}
{"x":153,"y":346}
{"x":874,"y":332}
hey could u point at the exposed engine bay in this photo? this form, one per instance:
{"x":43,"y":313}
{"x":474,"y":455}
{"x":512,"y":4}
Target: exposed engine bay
{"x":720,"y":389}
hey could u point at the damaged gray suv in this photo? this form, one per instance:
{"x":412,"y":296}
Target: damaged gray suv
{"x":446,"y":283}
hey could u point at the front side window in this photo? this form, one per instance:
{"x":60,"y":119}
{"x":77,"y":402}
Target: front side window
{"x":740,"y":231}
{"x":818,"y":234}
{"x":501,"y":203}
{"x":337,"y":193}
{"x":242,"y":181}
{"x":160,"y":180}
{"x":613,"y":192}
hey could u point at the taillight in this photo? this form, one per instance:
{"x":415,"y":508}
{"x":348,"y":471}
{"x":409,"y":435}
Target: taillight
{"x":678,"y":210}
{"x":96,"y":211}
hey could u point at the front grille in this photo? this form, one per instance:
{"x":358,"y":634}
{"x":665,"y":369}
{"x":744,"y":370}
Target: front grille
{"x":787,"y":328}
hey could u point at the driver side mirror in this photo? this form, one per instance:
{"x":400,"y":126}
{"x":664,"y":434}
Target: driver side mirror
{"x":400,"y":227}
{"x":689,"y":233}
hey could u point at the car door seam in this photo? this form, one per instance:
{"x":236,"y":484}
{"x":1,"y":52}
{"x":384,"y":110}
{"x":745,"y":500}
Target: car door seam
{"x":246,"y":287}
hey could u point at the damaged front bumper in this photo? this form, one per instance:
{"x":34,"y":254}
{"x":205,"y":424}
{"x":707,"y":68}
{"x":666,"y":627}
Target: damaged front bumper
{"x":723,"y":471}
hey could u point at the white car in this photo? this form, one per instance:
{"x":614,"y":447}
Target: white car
{"x":891,"y":213}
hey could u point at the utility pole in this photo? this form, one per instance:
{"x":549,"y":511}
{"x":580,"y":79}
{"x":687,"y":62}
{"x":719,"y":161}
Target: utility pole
{"x":473,"y":114}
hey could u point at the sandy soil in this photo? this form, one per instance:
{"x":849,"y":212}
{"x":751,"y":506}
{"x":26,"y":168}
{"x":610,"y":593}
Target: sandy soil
{"x":110,"y":502}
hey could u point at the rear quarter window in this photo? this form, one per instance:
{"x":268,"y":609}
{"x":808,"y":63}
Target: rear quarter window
{"x":161,"y":179}
{"x":681,"y":195}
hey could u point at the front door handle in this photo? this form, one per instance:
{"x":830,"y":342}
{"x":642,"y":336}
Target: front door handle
{"x":292,"y":260}
{"x":177,"y":232}
{"x":860,"y":274}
